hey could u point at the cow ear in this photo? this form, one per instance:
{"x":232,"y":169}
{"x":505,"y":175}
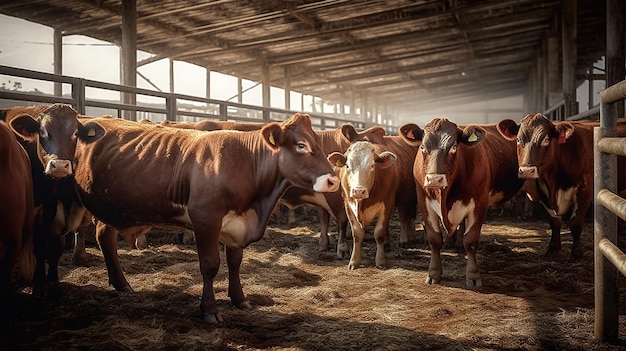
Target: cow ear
{"x":564,"y":130}
{"x":386,"y":159}
{"x":337,"y":159}
{"x":375,"y":135}
{"x":26,"y":127}
{"x":412,"y":134}
{"x":508,"y":129}
{"x":90,"y":131}
{"x":472,"y":134}
{"x":348,"y":131}
{"x":273,"y":135}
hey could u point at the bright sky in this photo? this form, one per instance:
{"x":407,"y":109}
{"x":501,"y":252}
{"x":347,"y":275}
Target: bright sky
{"x":30,"y":47}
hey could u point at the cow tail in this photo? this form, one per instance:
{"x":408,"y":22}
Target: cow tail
{"x":27,"y":261}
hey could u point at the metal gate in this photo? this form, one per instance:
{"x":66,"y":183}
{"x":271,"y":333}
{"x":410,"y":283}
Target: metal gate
{"x":609,"y":260}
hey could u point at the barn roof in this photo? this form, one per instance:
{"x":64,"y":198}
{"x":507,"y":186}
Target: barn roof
{"x":403,"y":53}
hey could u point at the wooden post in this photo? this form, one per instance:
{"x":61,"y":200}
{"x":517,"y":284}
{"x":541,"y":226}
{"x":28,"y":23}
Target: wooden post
{"x":58,"y":59}
{"x":266,"y":90}
{"x":569,"y":36}
{"x":129,"y":54}
{"x":287,"y":89}
{"x":615,"y":12}
{"x":172,"y":87}
{"x":239,"y":90}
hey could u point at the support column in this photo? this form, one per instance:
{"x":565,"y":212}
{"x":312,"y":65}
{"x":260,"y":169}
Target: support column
{"x":172,"y":87}
{"x":569,"y":11}
{"x":58,"y":59}
{"x":615,"y":12}
{"x":239,"y":90}
{"x":287,"y":89}
{"x":129,"y":54}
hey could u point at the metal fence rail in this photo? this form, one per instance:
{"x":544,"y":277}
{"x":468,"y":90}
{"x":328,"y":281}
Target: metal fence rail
{"x":609,"y":260}
{"x":171,"y":106}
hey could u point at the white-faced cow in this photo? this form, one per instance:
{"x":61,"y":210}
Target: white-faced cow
{"x":222,"y":184}
{"x":331,"y":204}
{"x":558,"y":158}
{"x":460,"y":173}
{"x":368,"y":182}
{"x":58,"y":209}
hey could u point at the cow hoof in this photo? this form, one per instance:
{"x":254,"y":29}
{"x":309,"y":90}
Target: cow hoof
{"x":212,"y":318}
{"x":352,"y":266}
{"x":474,"y":283}
{"x":342,"y":251}
{"x":431,"y":281}
{"x":244,"y":305}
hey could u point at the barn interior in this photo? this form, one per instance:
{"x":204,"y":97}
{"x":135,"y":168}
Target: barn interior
{"x":381,"y":62}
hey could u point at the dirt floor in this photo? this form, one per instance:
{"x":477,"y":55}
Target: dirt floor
{"x":306,"y":300}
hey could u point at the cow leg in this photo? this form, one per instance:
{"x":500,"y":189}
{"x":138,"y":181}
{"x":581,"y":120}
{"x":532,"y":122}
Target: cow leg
{"x":576,"y":227}
{"x":435,"y":241}
{"x":470,"y":242}
{"x":234,"y":256}
{"x":407,"y":225}
{"x":107,"y":239}
{"x":343,"y":250}
{"x":79,"y":255}
{"x":381,"y":235}
{"x":54,"y":250}
{"x":358,"y":233}
{"x":555,"y":239}
{"x":324,"y":218}
{"x":209,"y":257}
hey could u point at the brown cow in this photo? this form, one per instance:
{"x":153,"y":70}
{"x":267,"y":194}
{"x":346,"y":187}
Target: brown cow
{"x":370,"y":179}
{"x":558,"y":158}
{"x":331,"y":204}
{"x":223,"y":184}
{"x":459,"y":173}
{"x":209,"y":125}
{"x":17,"y":205}
{"x":58,"y":208}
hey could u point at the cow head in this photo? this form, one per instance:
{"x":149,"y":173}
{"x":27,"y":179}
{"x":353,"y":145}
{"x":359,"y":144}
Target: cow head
{"x":357,"y":170}
{"x":436,"y":161}
{"x":55,"y":131}
{"x":301,"y":159}
{"x":373,"y":134}
{"x":536,"y":137}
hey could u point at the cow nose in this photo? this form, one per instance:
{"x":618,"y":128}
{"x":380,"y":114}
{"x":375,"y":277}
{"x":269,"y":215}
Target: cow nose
{"x":332,"y":183}
{"x":528,"y":172}
{"x":435,"y":180}
{"x":59,"y":168}
{"x":359,"y":193}
{"x":326,"y":183}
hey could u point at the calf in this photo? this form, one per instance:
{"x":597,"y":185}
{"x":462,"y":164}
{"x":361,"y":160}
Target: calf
{"x":557,"y":157}
{"x":459,"y":173}
{"x":369,"y":183}
{"x":222,"y":184}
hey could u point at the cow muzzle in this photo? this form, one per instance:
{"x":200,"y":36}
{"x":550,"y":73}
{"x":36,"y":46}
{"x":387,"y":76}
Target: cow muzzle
{"x":435,"y":180}
{"x":59,"y":168}
{"x":326,"y":184}
{"x":528,"y":172}
{"x":359,"y":193}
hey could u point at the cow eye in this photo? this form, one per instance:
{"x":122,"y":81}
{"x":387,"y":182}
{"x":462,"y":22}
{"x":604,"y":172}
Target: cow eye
{"x":453,"y":148}
{"x":545,"y":141}
{"x":301,"y":147}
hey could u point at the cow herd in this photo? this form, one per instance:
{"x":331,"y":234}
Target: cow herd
{"x":60,"y":170}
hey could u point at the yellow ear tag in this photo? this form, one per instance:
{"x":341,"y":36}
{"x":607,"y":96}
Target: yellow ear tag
{"x":272,"y":141}
{"x":472,"y":138}
{"x":91,"y":132}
